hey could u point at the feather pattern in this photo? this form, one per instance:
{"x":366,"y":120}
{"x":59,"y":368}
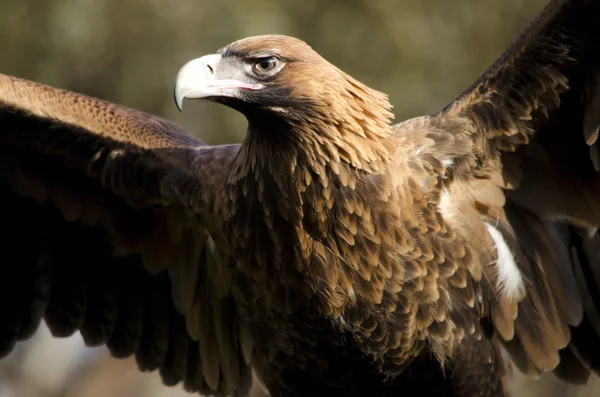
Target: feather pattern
{"x":332,"y":252}
{"x":113,"y":175}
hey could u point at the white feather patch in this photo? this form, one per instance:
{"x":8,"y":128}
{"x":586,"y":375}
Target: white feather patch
{"x":447,"y":162}
{"x":446,"y":207}
{"x":510,"y":281}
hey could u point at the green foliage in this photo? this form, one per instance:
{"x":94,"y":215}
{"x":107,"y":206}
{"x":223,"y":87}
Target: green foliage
{"x":422,"y":53}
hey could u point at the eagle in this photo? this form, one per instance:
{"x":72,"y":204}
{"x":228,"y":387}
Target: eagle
{"x":333,"y":252}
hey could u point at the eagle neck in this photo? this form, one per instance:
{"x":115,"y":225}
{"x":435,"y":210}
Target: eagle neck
{"x":284,"y":146}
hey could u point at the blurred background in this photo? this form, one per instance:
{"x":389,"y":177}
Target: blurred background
{"x":422,"y":53}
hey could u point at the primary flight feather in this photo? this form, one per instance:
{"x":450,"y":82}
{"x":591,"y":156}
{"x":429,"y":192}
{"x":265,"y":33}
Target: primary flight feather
{"x":332,"y":252}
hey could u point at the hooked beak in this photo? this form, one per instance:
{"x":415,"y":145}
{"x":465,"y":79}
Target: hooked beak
{"x":198,"y":79}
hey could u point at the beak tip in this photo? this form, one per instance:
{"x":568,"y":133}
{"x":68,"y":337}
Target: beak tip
{"x":178,"y":98}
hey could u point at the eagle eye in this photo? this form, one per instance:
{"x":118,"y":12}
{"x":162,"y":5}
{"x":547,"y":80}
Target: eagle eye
{"x":266,"y":67}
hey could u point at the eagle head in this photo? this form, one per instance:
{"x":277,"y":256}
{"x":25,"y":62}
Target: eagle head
{"x":281,"y":77}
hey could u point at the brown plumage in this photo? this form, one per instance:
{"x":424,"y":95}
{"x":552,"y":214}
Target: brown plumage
{"x":332,"y":252}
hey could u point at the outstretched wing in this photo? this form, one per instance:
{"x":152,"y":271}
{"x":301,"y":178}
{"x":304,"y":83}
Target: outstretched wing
{"x":524,"y":154}
{"x":107,"y":227}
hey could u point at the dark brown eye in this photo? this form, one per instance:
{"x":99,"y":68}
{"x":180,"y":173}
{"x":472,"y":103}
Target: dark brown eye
{"x":264,"y":66}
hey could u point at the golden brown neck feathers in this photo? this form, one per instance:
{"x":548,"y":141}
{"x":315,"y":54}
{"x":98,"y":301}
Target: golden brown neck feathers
{"x":349,"y":122}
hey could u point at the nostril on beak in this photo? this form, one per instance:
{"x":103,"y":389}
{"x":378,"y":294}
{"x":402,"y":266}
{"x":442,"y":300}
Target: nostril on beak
{"x":209,"y":65}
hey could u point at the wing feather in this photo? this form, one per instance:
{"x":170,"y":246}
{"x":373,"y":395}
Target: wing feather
{"x":532,"y":123}
{"x":114,"y":209}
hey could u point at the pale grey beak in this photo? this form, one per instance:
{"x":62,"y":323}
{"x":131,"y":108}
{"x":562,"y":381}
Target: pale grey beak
{"x":198,"y":79}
